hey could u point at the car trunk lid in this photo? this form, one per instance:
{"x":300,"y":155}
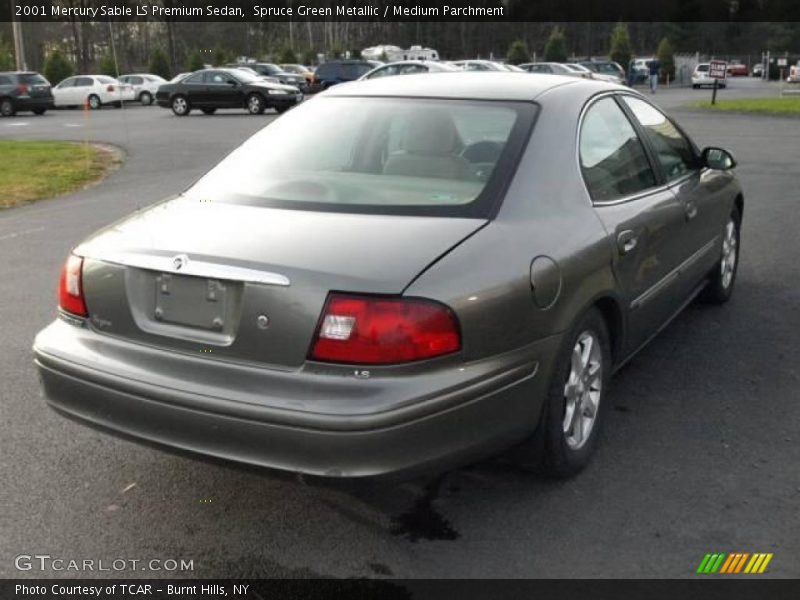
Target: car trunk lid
{"x":244,"y":282}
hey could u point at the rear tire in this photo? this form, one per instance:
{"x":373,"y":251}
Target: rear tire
{"x":181,"y":106}
{"x":94,"y":102}
{"x":573,"y":411}
{"x":722,"y":279}
{"x":7,"y":108}
{"x":146,"y":98}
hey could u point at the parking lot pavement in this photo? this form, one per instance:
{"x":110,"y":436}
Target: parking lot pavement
{"x":699,"y":455}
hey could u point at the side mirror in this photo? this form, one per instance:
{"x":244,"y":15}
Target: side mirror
{"x":717,"y":158}
{"x":233,"y":83}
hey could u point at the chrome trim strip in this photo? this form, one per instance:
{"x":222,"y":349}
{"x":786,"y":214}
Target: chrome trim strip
{"x":195,"y":268}
{"x":670,"y":277}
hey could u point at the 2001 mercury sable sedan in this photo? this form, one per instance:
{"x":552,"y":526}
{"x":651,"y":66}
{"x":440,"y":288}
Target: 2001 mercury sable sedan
{"x":444,"y":269}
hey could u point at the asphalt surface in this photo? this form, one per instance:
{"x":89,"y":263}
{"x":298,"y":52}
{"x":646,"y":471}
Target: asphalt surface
{"x":700,"y":453}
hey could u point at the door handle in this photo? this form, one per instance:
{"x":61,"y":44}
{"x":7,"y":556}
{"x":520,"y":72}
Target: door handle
{"x":691,"y":210}
{"x":626,"y":241}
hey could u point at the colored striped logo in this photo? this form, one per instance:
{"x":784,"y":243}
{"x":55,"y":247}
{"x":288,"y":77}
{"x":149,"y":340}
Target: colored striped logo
{"x":734,"y":563}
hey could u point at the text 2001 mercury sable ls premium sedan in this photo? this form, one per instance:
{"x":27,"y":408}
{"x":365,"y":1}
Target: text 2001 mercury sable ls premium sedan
{"x":446,"y":268}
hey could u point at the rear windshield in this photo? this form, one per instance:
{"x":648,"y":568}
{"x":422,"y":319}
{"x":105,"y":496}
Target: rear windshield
{"x":32,"y":78}
{"x":702,"y":67}
{"x":377,"y":155}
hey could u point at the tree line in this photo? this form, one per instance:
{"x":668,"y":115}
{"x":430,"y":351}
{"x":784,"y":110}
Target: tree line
{"x":177,"y":46}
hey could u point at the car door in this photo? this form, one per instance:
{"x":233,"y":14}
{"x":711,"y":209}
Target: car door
{"x":644,"y":219}
{"x":64,"y":92}
{"x":702,"y":192}
{"x":194,"y":88}
{"x":223,"y":89}
{"x":84,"y":87}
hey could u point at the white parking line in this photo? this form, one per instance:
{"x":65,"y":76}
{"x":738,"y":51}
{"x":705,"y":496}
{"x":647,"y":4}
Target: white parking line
{"x":22,"y":124}
{"x":72,"y":125}
{"x":14,"y":234}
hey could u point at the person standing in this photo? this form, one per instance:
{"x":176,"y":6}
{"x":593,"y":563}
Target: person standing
{"x":655,"y":68}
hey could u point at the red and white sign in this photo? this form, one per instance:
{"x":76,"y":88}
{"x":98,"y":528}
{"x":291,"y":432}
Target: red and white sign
{"x":717,"y":69}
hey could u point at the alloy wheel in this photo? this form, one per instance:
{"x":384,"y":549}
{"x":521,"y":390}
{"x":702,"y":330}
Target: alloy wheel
{"x":582,"y":390}
{"x":254,"y":105}
{"x":179,"y":105}
{"x":730,"y":245}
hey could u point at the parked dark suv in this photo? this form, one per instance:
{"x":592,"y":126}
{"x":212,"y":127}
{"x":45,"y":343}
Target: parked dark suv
{"x":22,"y":91}
{"x":339,"y":71}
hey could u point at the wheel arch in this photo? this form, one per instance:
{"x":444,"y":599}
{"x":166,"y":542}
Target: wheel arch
{"x":610,"y":309}
{"x":739,"y":205}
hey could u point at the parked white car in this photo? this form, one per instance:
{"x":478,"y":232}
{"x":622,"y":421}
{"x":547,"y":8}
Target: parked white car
{"x":145,"y":86}
{"x":92,"y":90}
{"x":700,"y":77}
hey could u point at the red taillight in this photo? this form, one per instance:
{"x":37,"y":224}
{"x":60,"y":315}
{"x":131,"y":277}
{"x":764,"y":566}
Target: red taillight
{"x":110,"y":88}
{"x":70,"y":287}
{"x":377,"y":330}
{"x":22,"y":89}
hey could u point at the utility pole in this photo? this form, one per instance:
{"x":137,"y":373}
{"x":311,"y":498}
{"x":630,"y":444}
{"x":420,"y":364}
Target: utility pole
{"x":19,"y":44}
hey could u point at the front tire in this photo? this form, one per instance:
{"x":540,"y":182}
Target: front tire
{"x":573,"y":411}
{"x":255,"y":104}
{"x":146,"y":98}
{"x":7,"y":108}
{"x":181,"y":106}
{"x":720,"y":284}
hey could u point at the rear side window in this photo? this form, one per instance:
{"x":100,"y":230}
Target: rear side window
{"x":5,"y":80}
{"x":674,"y":151}
{"x":84,"y":82}
{"x":613,"y":160}
{"x":32,"y":79}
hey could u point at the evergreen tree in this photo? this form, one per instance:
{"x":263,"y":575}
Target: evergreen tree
{"x":159,"y":64}
{"x":621,"y":48}
{"x":518,"y":53}
{"x":7,"y":62}
{"x":309,"y":57}
{"x":287,"y":56}
{"x":107,"y":66}
{"x":666,"y":58}
{"x":56,"y":67}
{"x":555,"y":50}
{"x":196,"y":62}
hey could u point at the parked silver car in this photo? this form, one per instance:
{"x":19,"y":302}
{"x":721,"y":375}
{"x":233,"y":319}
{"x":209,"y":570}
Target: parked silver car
{"x":410,"y":67}
{"x":444,"y":269}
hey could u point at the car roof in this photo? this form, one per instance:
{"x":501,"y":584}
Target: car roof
{"x":503,"y":85}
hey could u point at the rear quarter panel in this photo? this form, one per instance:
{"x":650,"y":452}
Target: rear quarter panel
{"x":546,"y":212}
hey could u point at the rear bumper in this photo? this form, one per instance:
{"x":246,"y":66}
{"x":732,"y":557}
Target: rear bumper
{"x":497,"y":403}
{"x":33,"y":103}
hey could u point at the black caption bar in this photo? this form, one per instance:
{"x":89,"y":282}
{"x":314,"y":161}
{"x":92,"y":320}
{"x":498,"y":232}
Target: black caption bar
{"x":400,"y":10}
{"x":384,"y":589}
